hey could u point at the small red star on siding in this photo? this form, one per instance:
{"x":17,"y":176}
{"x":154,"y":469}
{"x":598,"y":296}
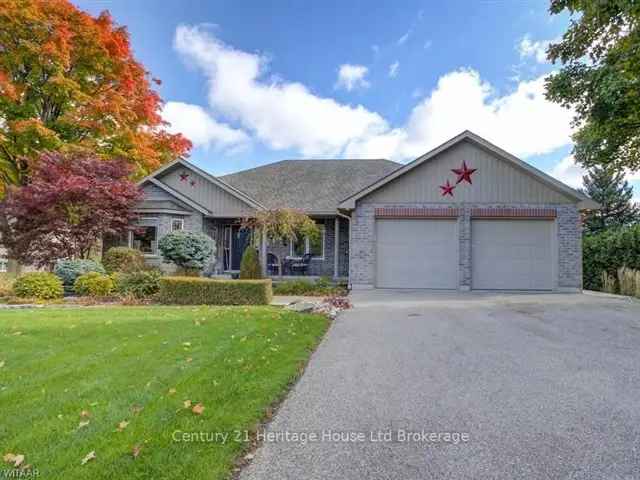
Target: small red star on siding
{"x":447,"y":189}
{"x":193,"y":183}
{"x":464,"y":173}
{"x":184,"y":176}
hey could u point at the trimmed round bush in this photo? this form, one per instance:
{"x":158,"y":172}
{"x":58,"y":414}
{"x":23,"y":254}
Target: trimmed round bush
{"x":94,"y":284}
{"x":140,"y":285}
{"x":40,"y":285}
{"x":187,"y":250}
{"x":250,"y":265}
{"x":123,"y":259}
{"x":70,"y":270}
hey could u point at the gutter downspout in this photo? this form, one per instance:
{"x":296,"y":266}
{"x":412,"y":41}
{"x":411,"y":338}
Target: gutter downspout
{"x":348,"y":218}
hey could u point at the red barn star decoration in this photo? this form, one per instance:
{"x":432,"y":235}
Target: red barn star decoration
{"x":447,"y":189}
{"x":184,"y":176}
{"x":193,"y":183}
{"x":464,"y":173}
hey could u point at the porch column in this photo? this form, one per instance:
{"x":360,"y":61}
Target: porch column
{"x":336,"y":247}
{"x":263,"y":253}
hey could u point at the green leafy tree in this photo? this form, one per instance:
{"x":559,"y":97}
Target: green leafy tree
{"x":599,"y":79}
{"x":615,"y":196}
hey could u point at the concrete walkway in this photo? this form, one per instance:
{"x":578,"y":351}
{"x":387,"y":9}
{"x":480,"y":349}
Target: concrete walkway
{"x":501,"y":386}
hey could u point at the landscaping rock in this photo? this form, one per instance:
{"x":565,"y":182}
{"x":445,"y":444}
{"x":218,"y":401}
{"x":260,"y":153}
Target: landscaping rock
{"x":302,"y":307}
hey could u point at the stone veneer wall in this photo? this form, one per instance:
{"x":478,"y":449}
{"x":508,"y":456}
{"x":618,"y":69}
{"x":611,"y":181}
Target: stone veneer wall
{"x":363,"y":242}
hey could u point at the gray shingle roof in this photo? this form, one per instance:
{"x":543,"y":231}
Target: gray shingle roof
{"x":309,"y":185}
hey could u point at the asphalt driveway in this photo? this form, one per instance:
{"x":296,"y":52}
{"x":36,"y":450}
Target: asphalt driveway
{"x":490,"y":386}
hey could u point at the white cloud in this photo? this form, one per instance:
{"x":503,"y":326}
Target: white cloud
{"x":393,"y":69}
{"x":195,"y":123}
{"x":287,"y":115}
{"x":282,"y":114}
{"x":535,"y":49}
{"x":351,"y":77}
{"x":568,"y":171}
{"x":522,"y":122}
{"x":403,"y":39}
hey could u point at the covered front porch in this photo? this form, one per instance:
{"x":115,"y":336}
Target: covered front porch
{"x":326,"y":257}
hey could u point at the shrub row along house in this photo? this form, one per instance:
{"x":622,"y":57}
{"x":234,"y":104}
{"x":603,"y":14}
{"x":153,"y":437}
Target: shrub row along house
{"x":466,"y":215}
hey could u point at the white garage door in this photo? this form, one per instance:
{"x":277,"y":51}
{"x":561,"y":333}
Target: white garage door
{"x":512,"y":254}
{"x":416,"y":254}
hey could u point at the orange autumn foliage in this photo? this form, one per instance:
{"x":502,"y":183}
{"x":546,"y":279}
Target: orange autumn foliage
{"x":69,"y":82}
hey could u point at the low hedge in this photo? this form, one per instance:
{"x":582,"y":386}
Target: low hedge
{"x":321,"y":288}
{"x":204,"y":291}
{"x":607,"y":252}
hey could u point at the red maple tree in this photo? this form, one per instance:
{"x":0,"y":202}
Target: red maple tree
{"x":70,"y":203}
{"x":69,"y":82}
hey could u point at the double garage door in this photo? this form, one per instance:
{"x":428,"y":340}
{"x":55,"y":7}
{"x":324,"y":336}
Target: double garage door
{"x":505,"y":254}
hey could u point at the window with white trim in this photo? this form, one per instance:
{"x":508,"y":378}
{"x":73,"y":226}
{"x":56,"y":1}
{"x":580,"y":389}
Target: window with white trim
{"x":145,"y":239}
{"x":306,"y":245}
{"x":177,"y":224}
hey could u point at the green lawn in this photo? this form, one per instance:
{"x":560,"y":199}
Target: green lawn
{"x":123,"y":364}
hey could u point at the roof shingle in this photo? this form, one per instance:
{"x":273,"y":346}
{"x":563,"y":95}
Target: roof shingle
{"x":309,"y":185}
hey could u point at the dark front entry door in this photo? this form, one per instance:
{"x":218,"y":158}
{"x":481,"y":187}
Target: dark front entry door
{"x":239,"y":241}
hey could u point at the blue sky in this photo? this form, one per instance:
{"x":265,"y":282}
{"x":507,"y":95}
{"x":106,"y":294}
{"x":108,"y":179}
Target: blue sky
{"x":252,"y":83}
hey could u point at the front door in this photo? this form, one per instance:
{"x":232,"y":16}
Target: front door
{"x":238,"y":241}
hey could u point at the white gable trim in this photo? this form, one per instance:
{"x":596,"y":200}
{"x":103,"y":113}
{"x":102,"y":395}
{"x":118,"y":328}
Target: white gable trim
{"x":583,"y":201}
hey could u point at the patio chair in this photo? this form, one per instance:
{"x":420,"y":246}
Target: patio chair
{"x":273,"y":264}
{"x":300,"y":266}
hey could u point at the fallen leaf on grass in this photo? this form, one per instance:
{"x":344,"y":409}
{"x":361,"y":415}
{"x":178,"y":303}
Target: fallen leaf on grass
{"x":14,"y":459}
{"x":172,"y":391}
{"x":83,"y":424}
{"x":186,"y":344}
{"x":136,"y":409}
{"x":198,"y":409}
{"x":189,"y":359}
{"x":187,"y":404}
{"x":85,"y":414}
{"x":2,"y":364}
{"x":122,"y":425}
{"x":135,"y":451}
{"x":90,"y":456}
{"x":249,"y":456}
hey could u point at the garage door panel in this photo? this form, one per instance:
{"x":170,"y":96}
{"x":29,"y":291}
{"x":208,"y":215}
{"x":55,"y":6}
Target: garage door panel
{"x":512,"y":254}
{"x":416,"y":254}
